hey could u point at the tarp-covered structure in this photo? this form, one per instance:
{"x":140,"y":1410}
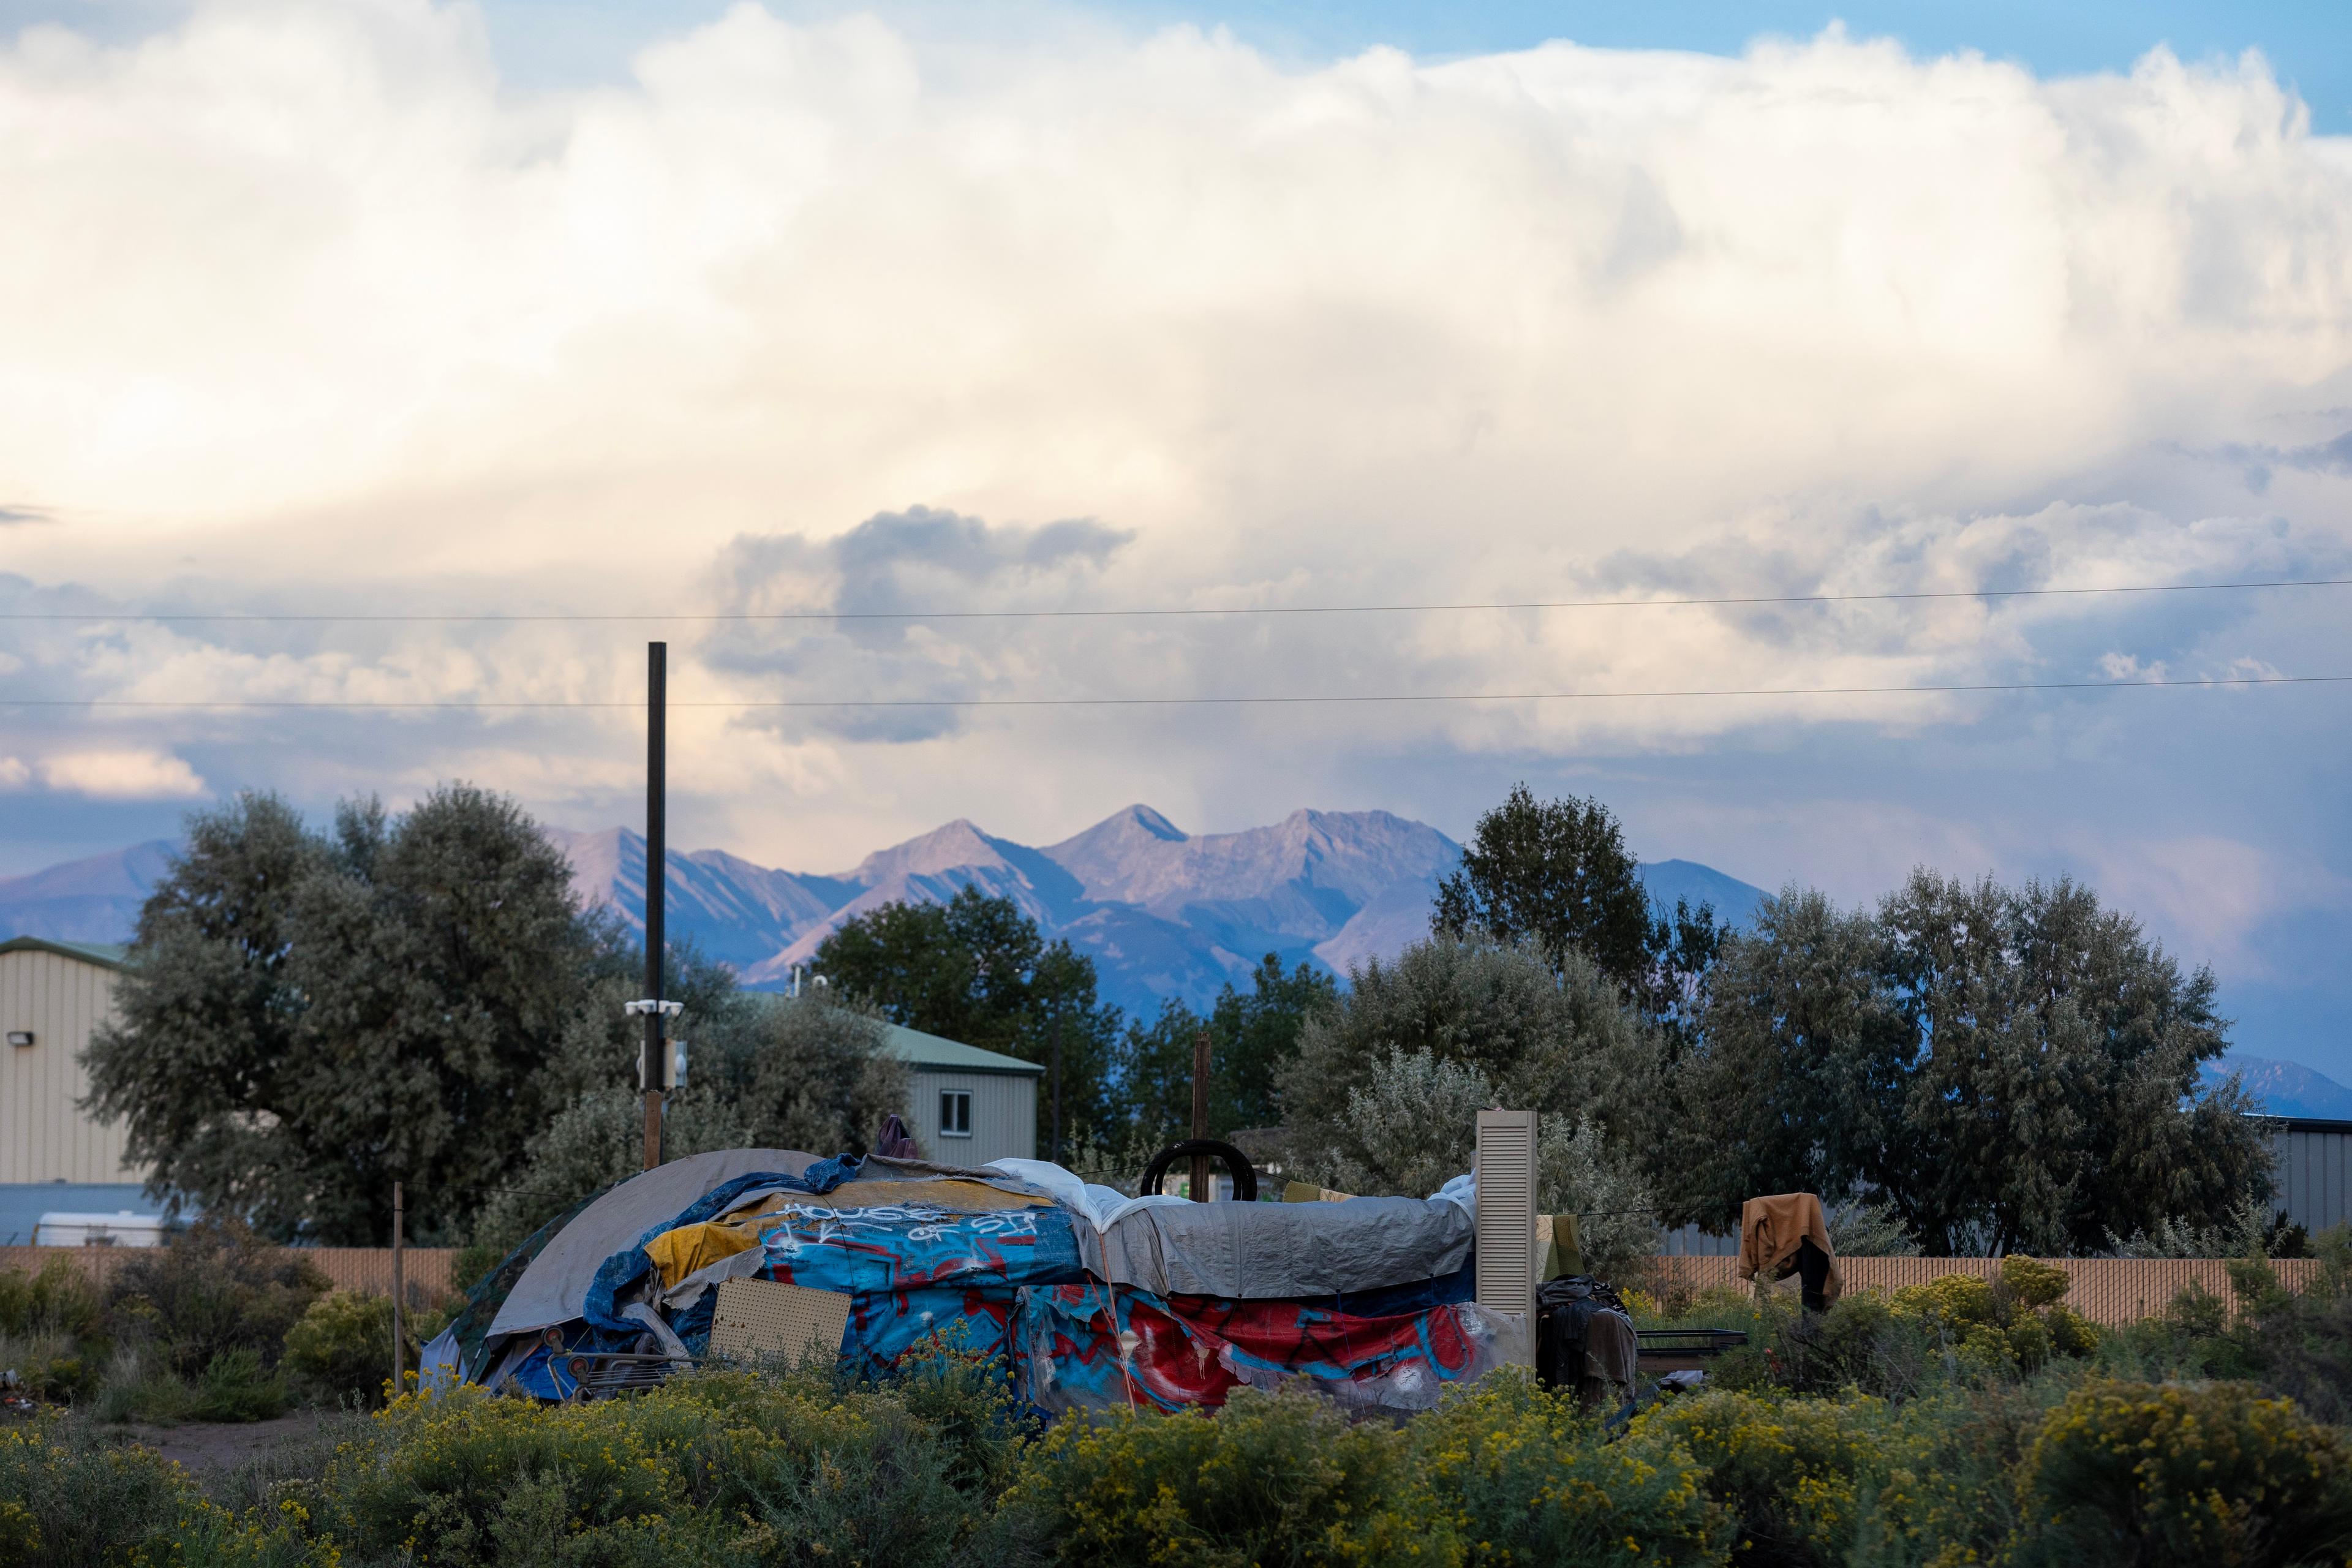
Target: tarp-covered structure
{"x":1091,"y":1299}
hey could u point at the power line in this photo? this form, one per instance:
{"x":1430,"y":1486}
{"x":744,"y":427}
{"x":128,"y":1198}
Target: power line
{"x":1140,"y":612}
{"x":1276,"y":700}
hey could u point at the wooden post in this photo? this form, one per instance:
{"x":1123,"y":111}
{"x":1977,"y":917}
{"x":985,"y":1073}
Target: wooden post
{"x":657,"y":887}
{"x":399,"y":1289}
{"x":1202,"y":1178}
{"x":1056,"y":1155}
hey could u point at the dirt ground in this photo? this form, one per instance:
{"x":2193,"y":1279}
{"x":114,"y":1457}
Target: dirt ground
{"x":209,"y":1446}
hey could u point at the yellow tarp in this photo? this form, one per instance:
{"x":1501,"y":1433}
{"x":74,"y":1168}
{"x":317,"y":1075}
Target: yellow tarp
{"x":678,"y":1253}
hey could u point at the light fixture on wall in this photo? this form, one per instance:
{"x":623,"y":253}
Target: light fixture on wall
{"x":20,"y":1036}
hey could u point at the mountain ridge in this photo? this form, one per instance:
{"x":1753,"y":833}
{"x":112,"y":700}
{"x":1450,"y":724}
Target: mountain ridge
{"x":1162,"y":913}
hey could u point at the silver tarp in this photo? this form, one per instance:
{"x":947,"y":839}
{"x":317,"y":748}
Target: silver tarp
{"x":1277,"y":1251}
{"x":554,"y":1289}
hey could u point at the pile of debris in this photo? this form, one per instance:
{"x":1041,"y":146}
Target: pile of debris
{"x":1092,"y":1299}
{"x":1089,"y":1300}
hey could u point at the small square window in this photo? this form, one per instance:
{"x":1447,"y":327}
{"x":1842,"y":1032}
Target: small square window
{"x":955,"y":1113}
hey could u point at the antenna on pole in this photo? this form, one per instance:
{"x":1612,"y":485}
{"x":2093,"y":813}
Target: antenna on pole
{"x":649,"y":1065}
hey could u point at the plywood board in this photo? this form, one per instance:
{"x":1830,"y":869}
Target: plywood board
{"x":759,"y":1318}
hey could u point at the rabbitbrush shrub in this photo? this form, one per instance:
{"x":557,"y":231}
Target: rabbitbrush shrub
{"x":340,"y":1349}
{"x":1517,"y":1476}
{"x":1269,"y":1481}
{"x":215,"y":1289}
{"x":1791,"y":1471}
{"x":721,"y":1468}
{"x":2125,"y":1474}
{"x":70,"y":1502}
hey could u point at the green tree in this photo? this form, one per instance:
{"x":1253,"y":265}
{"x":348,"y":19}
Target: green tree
{"x":307,"y":1019}
{"x":1253,"y":1035}
{"x":1557,"y":872}
{"x":975,"y":969}
{"x":1550,"y":1037}
{"x":1804,"y":1079}
{"x":438,"y":964}
{"x":207,"y":1021}
{"x":1152,"y":1102}
{"x":2059,"y":1049}
{"x":2010,"y":1069}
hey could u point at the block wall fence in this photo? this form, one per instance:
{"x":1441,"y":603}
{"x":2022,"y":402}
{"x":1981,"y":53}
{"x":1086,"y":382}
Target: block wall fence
{"x":2109,"y":1291}
{"x":366,"y":1269}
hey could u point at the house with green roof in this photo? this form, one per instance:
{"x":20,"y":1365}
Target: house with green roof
{"x":53,"y":997}
{"x":969,"y":1106}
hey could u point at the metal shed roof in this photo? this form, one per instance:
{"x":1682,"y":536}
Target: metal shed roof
{"x":917,"y":1048}
{"x":105,"y":955}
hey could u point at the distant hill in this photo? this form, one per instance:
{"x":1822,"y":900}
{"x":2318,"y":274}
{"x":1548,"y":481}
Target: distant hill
{"x":95,"y":899}
{"x":2285,"y":1089}
{"x":1163,"y":913}
{"x":1735,"y":901}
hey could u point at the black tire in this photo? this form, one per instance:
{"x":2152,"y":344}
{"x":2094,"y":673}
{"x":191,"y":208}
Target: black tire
{"x":1237,"y":1165}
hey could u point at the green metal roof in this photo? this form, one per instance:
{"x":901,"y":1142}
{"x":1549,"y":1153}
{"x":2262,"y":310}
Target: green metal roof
{"x":105,"y":955}
{"x":917,"y":1048}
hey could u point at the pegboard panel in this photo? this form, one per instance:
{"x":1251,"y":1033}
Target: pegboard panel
{"x":764,"y":1318}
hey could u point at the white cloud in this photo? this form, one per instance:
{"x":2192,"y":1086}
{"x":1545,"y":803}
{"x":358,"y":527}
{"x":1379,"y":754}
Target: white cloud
{"x":303,"y":308}
{"x":15,"y":773}
{"x":121,"y":775}
{"x":2210,"y":897}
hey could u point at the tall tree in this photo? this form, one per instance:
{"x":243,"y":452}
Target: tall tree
{"x":438,"y":965}
{"x":1557,"y":873}
{"x":2058,"y":1083}
{"x":1253,"y":1035}
{"x":1803,"y":1081}
{"x":1553,"y":1037}
{"x":977,"y":970}
{"x":206,"y":1018}
{"x":307,"y":1019}
{"x":2011,"y":1069}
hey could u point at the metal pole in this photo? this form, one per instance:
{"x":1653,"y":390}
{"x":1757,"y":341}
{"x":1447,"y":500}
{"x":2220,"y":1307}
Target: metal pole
{"x":1202,"y":1190}
{"x":657,"y":887}
{"x":1056,"y":1155}
{"x":399,"y":1289}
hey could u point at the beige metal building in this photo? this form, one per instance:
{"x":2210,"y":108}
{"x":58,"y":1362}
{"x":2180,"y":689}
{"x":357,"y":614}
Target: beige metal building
{"x":970,"y":1106}
{"x":53,"y":997}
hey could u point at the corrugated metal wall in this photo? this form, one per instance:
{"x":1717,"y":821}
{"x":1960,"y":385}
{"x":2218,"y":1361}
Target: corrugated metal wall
{"x":2309,"y":1170}
{"x":1003,"y":1116}
{"x":43,"y":1134}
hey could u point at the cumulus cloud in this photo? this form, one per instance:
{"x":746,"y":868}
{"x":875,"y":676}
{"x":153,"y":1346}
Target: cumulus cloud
{"x":917,"y":561}
{"x":305,"y":309}
{"x":122,"y":774}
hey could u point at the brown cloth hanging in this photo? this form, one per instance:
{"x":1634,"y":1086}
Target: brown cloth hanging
{"x":1774,"y":1230}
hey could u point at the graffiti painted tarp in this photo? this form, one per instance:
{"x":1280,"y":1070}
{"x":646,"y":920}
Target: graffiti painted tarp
{"x":1092,"y":1346}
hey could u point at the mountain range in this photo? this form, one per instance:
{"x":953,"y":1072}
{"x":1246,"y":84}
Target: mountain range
{"x":1163,"y":913}
{"x":2285,"y":1089}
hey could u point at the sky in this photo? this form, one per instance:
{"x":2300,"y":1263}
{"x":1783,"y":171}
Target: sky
{"x":379,"y":310}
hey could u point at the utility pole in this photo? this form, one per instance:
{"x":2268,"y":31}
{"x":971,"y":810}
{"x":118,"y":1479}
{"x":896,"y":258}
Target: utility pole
{"x":399,"y":1289}
{"x":657,"y":887}
{"x":1202,"y":1190}
{"x":1057,"y":1087}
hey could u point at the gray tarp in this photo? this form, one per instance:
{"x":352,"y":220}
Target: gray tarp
{"x":1271,"y":1251}
{"x":554,"y":1289}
